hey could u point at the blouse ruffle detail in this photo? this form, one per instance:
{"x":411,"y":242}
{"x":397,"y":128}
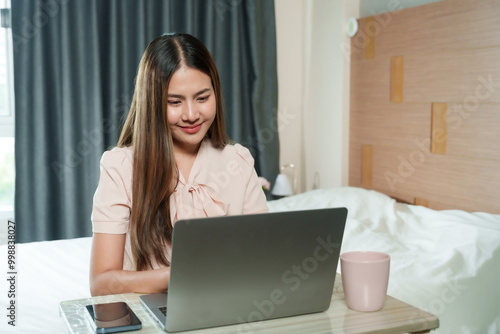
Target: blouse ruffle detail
{"x":196,"y":201}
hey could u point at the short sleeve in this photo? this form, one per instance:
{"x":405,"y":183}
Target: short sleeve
{"x":112,"y":199}
{"x":255,"y":199}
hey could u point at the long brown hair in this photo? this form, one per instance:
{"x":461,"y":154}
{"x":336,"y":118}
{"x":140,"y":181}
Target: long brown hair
{"x":146,"y":129}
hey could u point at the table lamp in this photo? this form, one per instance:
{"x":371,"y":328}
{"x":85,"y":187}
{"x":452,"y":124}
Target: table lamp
{"x":282,"y":185}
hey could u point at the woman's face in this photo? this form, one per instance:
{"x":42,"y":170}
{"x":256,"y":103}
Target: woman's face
{"x":191,"y":107}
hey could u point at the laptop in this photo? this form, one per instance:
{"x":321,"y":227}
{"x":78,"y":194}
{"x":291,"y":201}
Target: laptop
{"x":240,"y":269}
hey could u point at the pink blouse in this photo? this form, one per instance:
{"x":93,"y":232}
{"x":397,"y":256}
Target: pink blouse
{"x":221,"y":182}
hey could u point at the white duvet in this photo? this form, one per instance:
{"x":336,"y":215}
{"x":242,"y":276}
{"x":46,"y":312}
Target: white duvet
{"x":445,"y":262}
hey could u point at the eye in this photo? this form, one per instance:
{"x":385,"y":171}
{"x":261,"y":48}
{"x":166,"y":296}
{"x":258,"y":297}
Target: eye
{"x":203,"y":98}
{"x":174,"y":102}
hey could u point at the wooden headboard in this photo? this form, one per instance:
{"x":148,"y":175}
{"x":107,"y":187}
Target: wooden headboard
{"x":425,"y":105}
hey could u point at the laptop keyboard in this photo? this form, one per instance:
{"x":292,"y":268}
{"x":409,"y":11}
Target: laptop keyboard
{"x":163,"y":310}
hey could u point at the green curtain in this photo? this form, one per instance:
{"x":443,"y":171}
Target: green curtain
{"x":75,"y":63}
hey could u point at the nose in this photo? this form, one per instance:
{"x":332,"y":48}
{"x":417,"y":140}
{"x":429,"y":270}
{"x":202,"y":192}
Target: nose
{"x":190,"y":113}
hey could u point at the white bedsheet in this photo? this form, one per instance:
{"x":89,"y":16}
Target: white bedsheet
{"x":47,"y":273}
{"x":447,"y":262}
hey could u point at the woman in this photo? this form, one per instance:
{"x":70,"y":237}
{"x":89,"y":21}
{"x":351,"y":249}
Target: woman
{"x":172,"y":162}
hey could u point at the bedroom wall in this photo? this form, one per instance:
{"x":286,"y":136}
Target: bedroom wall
{"x":290,"y":22}
{"x":313,"y":78}
{"x":314,"y":85}
{"x":425,"y":105}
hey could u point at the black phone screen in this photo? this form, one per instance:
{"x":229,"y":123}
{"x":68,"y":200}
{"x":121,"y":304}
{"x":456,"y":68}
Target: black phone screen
{"x":112,"y":318}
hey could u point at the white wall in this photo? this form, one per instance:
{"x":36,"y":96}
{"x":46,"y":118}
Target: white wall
{"x":290,"y":51}
{"x":313,"y":78}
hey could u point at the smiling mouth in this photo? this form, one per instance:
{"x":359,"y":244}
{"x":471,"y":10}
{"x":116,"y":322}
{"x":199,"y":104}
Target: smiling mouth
{"x":191,"y":129}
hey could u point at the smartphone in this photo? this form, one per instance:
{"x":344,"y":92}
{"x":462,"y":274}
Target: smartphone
{"x":112,"y":318}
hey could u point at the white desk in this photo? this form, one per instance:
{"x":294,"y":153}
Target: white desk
{"x":395,"y":317}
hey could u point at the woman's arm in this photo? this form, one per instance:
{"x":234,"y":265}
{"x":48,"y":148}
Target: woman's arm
{"x":110,"y":219}
{"x":106,"y":269}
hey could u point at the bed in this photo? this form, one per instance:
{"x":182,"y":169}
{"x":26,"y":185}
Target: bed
{"x":416,"y":135}
{"x":444,"y":262}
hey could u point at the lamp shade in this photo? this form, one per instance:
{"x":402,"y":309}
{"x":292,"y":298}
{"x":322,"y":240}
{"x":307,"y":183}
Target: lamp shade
{"x":282,"y":186}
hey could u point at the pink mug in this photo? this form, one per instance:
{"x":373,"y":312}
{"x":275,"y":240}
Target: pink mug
{"x":365,"y":277}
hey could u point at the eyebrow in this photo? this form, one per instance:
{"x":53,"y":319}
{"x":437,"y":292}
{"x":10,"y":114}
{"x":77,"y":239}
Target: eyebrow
{"x":195,"y":95}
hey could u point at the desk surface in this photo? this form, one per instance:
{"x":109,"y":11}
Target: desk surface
{"x":395,"y":317}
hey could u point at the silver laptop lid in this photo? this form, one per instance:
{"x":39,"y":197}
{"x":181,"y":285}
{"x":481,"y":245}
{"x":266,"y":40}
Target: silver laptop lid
{"x":239,"y":269}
